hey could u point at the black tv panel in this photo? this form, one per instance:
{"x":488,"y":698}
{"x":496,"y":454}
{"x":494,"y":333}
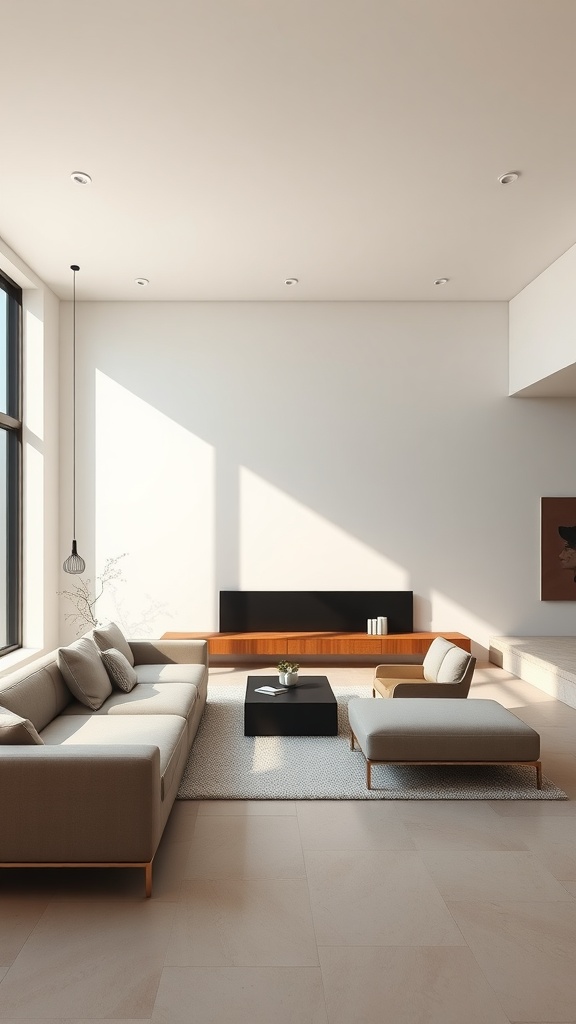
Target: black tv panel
{"x":341,"y":611}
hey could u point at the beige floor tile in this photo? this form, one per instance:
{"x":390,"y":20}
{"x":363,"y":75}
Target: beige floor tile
{"x":252,"y":807}
{"x":90,"y":959}
{"x":559,"y":858}
{"x":351,"y":825}
{"x":570,"y":886}
{"x":180,"y":824}
{"x":527,"y":952}
{"x":78,"y":1020}
{"x":369,"y":898}
{"x":540,"y":830}
{"x":491,"y":875}
{"x":534,"y":808}
{"x":465,"y":835}
{"x":4,"y":970}
{"x":549,"y":712}
{"x":448,"y":812}
{"x":246,"y":923}
{"x":240,"y":995}
{"x":431,"y":985}
{"x":556,"y":738}
{"x":245,"y":846}
{"x":508,"y":690}
{"x":18,"y":918}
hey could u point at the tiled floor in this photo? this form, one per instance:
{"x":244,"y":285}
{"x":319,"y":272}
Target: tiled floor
{"x":318,"y":913}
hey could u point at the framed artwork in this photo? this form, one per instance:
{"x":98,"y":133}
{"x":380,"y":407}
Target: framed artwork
{"x":558,"y":549}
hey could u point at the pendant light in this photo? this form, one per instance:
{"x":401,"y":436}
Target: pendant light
{"x":74,"y":563}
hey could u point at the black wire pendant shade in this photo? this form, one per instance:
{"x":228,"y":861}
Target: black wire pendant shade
{"x":74,"y":563}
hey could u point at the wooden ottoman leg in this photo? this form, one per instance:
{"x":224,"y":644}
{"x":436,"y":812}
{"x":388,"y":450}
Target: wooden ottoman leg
{"x":539,"y":774}
{"x":368,"y":774}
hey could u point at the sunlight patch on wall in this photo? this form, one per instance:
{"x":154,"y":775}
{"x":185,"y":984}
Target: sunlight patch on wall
{"x":33,"y":547}
{"x":286,"y":545}
{"x":33,"y":354}
{"x":449,"y":615}
{"x":154,"y":499}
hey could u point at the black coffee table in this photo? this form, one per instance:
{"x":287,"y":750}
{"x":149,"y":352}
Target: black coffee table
{"x":308,"y":709}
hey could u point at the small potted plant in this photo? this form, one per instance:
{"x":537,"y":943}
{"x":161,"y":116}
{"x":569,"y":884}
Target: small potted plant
{"x":288,"y":673}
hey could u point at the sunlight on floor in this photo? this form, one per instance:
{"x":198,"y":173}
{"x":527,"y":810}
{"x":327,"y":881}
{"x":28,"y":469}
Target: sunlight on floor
{"x":267,"y":754}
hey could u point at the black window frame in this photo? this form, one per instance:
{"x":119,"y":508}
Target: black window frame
{"x":11,"y":422}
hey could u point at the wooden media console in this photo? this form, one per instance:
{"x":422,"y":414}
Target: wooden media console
{"x":319,"y":643}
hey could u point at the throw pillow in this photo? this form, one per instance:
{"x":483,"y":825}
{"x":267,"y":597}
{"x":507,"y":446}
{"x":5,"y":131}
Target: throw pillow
{"x":111,"y":636}
{"x":84,"y":673}
{"x":453,"y":666}
{"x":17,"y":730}
{"x":119,"y":669}
{"x":432,"y":663}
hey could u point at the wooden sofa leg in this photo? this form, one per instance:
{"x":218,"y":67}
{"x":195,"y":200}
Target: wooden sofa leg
{"x":352,"y":738}
{"x":538,"y":774}
{"x":148,"y":879}
{"x":368,"y":774}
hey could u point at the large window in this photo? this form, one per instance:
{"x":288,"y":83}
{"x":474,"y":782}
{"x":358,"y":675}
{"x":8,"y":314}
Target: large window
{"x":10,"y":465}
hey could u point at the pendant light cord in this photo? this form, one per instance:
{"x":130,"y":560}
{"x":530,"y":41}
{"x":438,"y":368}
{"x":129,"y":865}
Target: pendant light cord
{"x":74,"y":563}
{"x":75,"y":269}
{"x":74,"y":408}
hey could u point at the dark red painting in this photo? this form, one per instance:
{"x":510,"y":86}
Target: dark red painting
{"x":558,"y":573}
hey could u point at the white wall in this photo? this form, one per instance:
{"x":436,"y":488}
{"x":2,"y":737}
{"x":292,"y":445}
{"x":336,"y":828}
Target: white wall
{"x":314,"y":446}
{"x":41,"y":491}
{"x":543,"y":325}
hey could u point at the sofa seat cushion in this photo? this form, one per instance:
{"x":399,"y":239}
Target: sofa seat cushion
{"x":146,"y":699}
{"x":167,"y":732}
{"x":170,"y":673}
{"x":430,"y":729}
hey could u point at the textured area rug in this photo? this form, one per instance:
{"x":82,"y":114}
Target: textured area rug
{"x":226,"y":765}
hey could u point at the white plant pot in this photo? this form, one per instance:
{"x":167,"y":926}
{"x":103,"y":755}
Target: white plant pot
{"x":290,"y":679}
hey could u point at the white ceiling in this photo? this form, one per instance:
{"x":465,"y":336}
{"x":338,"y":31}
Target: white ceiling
{"x":353,"y":144}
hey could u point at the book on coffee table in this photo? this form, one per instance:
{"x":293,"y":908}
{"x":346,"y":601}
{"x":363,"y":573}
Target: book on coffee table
{"x":271,"y":690}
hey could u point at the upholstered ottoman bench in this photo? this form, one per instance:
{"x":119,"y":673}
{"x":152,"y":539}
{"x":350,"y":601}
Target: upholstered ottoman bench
{"x":428,"y":730}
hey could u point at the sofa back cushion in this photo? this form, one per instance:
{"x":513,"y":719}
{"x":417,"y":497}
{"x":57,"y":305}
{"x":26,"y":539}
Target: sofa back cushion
{"x":453,"y":666}
{"x":444,"y":662}
{"x":84,"y":673}
{"x":111,"y":636}
{"x":37,"y":692}
{"x":17,"y":731}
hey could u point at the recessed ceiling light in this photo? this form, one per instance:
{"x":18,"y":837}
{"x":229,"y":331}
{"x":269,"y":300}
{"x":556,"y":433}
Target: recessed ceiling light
{"x":291,"y":280}
{"x":441,"y":280}
{"x":509,"y":177}
{"x":142,"y":281}
{"x":81,"y":178}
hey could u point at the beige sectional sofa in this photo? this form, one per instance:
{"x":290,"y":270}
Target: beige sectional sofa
{"x":97,"y":785}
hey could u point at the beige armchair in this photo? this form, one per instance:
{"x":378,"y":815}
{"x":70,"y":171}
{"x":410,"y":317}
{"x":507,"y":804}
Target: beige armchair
{"x":446,"y":671}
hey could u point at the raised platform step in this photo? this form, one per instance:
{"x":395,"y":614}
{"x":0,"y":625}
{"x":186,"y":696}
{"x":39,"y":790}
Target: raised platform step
{"x":548,"y":662}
